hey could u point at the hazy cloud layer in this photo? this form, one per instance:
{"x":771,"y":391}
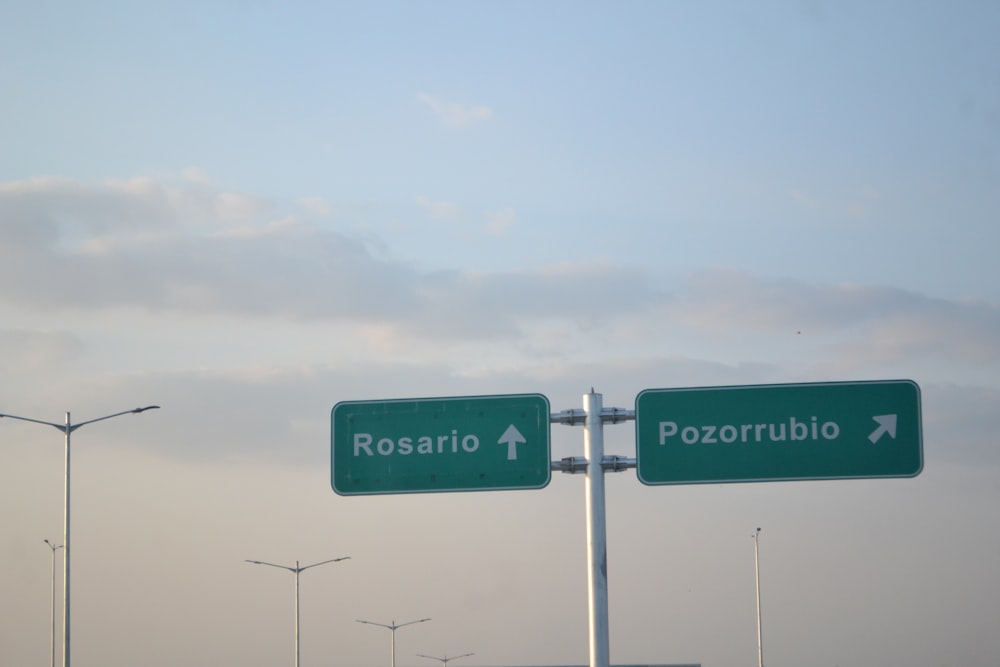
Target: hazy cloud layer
{"x":145,"y":245}
{"x":360,"y":321}
{"x":453,"y":113}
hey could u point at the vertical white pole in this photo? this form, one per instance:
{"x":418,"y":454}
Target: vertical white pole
{"x":297,"y":570}
{"x":52,"y":620}
{"x":756,"y":567}
{"x":66,"y":552}
{"x":392,"y":644}
{"x":52,"y":646}
{"x":597,"y":542}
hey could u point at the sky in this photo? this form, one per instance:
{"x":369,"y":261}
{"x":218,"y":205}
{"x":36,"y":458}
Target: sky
{"x":246,"y":212}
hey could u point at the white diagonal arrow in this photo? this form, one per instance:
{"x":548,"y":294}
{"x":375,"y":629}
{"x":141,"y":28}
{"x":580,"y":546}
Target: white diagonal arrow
{"x":886,"y":424}
{"x":511,"y":437}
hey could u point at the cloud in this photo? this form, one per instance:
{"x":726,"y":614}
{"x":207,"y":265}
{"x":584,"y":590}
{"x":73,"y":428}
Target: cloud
{"x":496,"y":223}
{"x":440,"y":210}
{"x":971,"y":411}
{"x":857,"y":205}
{"x":27,"y":350}
{"x":849,"y":327}
{"x":499,"y":222}
{"x":44,"y":211}
{"x":960,"y":332}
{"x":316,"y":206}
{"x":724,"y":299}
{"x":862,"y":204}
{"x":248,"y":308}
{"x":803,"y":198}
{"x":140,"y":246}
{"x":455,"y":114}
{"x":196,"y":175}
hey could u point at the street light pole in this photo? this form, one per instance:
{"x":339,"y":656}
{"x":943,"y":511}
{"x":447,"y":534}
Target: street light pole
{"x":445,"y":660}
{"x":67,"y":429}
{"x":296,"y":570}
{"x":392,"y":628}
{"x":52,"y":644}
{"x":756,"y":567}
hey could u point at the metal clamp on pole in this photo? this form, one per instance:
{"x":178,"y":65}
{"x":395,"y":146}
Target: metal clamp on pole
{"x":571,"y":464}
{"x":616,"y":463}
{"x":569,"y":417}
{"x":616,"y":415}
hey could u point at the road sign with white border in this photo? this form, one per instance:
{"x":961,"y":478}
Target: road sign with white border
{"x":759,"y":433}
{"x":422,"y":445}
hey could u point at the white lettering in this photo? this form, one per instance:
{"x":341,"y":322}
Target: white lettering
{"x":711,"y":434}
{"x":365,"y":444}
{"x":363,"y":441}
{"x":667,"y":430}
{"x":385,"y":446}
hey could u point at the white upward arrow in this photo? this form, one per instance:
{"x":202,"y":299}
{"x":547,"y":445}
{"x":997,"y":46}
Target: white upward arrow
{"x":511,"y":437}
{"x":886,"y":424}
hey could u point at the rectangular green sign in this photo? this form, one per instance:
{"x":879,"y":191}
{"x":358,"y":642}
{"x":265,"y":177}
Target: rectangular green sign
{"x":473,"y":443}
{"x":760,"y":433}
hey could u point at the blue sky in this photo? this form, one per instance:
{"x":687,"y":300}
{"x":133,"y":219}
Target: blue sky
{"x":247,"y":212}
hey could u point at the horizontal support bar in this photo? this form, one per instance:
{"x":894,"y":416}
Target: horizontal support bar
{"x":572,"y":465}
{"x":616,"y":415}
{"x":569,"y":417}
{"x":618,"y":463}
{"x":573,"y":417}
{"x":575,"y":465}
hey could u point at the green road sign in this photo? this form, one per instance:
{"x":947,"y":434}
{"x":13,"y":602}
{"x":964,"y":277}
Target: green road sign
{"x":761,"y":433}
{"x":473,"y":443}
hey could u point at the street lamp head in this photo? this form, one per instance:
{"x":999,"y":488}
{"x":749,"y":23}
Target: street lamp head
{"x":148,"y":407}
{"x":393,"y":626}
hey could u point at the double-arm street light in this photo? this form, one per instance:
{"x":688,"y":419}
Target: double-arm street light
{"x":67,"y":428}
{"x":52,"y":644}
{"x":296,"y":570}
{"x":445,"y":660}
{"x":393,"y":627}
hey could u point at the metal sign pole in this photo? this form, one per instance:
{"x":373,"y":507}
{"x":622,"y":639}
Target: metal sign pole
{"x":594,"y":463}
{"x":597,"y":539}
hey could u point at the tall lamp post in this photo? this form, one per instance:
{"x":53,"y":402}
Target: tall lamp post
{"x":296,"y":570}
{"x":67,"y":428}
{"x":392,"y":628}
{"x":52,"y":644}
{"x":445,"y":660}
{"x":756,"y":567}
